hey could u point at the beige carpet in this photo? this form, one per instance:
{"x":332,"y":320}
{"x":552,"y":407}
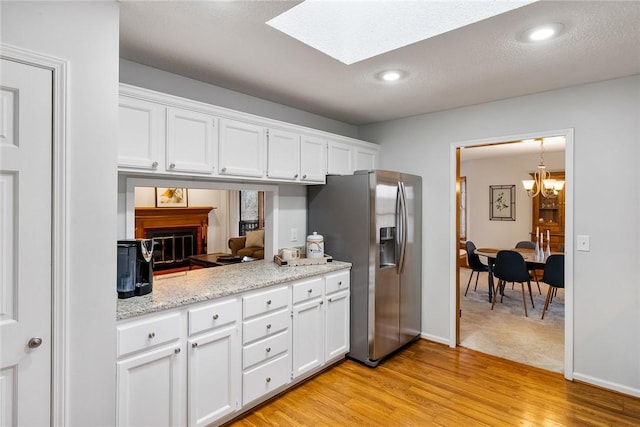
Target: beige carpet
{"x":505,"y":332}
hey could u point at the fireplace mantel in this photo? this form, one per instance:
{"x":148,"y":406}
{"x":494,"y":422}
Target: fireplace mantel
{"x":155,"y":218}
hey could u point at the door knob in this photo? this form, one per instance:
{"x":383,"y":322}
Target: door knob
{"x":35,"y":342}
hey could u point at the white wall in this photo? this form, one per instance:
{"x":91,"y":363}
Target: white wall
{"x":86,"y":35}
{"x":606,"y":119}
{"x":293,"y":214}
{"x":508,"y":170}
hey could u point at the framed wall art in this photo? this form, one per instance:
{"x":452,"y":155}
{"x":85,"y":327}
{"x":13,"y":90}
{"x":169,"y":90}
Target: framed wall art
{"x":502,"y":202}
{"x":171,"y":197}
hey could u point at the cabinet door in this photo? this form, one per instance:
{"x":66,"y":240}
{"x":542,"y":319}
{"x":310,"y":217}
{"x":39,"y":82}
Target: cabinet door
{"x":366,"y":159}
{"x":337,"y":325}
{"x":339,"y":158}
{"x":190,"y":141}
{"x":150,"y":388}
{"x":313,"y":159}
{"x":214,"y":376}
{"x":283,"y":155}
{"x":141,"y":134}
{"x":308,"y":336}
{"x":241,"y":149}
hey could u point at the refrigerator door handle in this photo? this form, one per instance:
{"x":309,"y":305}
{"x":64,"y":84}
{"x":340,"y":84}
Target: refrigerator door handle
{"x":402,"y":197}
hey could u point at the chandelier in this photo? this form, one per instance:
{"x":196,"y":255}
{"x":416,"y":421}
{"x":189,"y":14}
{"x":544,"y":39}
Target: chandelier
{"x":542,"y":181}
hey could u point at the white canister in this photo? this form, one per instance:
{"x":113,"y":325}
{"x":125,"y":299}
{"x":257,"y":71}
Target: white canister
{"x":315,"y":245}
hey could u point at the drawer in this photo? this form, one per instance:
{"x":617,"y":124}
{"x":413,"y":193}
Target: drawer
{"x":266,"y":378}
{"x":264,"y":326}
{"x":138,"y":335}
{"x":213,"y":316}
{"x":337,"y":282}
{"x":307,"y":290}
{"x":266,"y":349}
{"x":265,"y":301}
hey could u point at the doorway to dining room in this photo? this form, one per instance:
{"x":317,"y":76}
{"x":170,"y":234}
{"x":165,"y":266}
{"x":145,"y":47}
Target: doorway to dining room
{"x":505,"y":331}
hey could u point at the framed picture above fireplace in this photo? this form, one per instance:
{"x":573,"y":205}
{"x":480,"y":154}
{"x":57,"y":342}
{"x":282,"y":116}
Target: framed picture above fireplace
{"x":171,"y":197}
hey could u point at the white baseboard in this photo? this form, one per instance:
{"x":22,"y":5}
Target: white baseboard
{"x":606,"y":384}
{"x":434,"y":338}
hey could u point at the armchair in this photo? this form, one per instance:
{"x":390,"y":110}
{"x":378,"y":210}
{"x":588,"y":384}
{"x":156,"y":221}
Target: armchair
{"x":251,"y":245}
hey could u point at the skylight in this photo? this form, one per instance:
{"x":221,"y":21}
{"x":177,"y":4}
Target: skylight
{"x":354,"y":30}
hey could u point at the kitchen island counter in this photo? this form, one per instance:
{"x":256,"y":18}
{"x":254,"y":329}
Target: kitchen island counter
{"x":180,"y":289}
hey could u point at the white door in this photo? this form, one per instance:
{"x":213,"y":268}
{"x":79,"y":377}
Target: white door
{"x":339,"y":158}
{"x":241,"y":149}
{"x":190,"y":141}
{"x":141,"y":134}
{"x":25,"y":244}
{"x":313,"y":159}
{"x":336,"y":326}
{"x":308,"y":336}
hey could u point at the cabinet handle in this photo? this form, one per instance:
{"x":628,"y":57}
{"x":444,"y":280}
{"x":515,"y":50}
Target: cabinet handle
{"x":321,"y":302}
{"x":304,"y":176}
{"x":310,"y":290}
{"x":340,"y":283}
{"x":269,"y":326}
{"x":223,"y":170}
{"x":152,"y":335}
{"x":268,"y":302}
{"x":268,"y":379}
{"x":295,"y":176}
{"x":154,"y":165}
{"x":177,"y":351}
{"x":268,"y":349}
{"x":215,"y":317}
{"x":330,"y":300}
{"x":194,"y":345}
{"x":172,"y":166}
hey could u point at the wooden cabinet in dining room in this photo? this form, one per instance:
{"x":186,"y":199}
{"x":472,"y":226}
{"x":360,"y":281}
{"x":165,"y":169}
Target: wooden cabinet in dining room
{"x":548,"y":214}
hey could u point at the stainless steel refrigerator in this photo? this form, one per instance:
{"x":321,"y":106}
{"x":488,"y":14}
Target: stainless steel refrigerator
{"x":373,"y":220}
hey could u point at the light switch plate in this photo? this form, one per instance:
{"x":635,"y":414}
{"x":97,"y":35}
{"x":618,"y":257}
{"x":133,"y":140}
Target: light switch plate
{"x":294,"y":234}
{"x":582,"y":243}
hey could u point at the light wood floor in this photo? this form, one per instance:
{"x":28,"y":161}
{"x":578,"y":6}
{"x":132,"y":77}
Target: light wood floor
{"x":430,"y":384}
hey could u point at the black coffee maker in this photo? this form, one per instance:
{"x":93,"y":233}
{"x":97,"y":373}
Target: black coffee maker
{"x":135,"y":267}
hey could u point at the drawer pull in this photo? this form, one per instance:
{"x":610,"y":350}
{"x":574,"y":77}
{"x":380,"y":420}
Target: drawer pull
{"x":310,"y":290}
{"x":154,"y":165}
{"x":268,"y":302}
{"x":340,"y":283}
{"x":269,"y":326}
{"x":321,"y":302}
{"x":176,"y":351}
{"x":152,"y":335}
{"x":304,"y":176}
{"x":268,"y":379}
{"x":330,"y":299}
{"x":194,"y":345}
{"x":215,"y":317}
{"x":268,"y":349}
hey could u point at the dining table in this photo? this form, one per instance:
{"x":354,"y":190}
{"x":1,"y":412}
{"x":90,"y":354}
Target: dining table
{"x":529,"y":256}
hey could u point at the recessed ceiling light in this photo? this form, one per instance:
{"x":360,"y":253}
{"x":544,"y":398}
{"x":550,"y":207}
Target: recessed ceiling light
{"x":391,"y":75}
{"x":543,"y":32}
{"x":352,"y":31}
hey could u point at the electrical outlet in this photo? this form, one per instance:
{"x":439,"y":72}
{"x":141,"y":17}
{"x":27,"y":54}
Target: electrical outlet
{"x":294,"y":234}
{"x":583,"y":243}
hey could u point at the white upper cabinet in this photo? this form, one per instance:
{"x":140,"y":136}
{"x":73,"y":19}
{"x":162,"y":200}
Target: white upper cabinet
{"x":141,"y":134}
{"x":241,"y":149}
{"x":165,"y":134}
{"x":366,"y":158}
{"x":191,"y":141}
{"x":283,"y":155}
{"x":313,"y":159}
{"x":339,"y":158}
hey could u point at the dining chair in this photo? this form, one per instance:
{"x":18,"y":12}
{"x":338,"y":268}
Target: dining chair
{"x":553,"y":276}
{"x":526,"y":244}
{"x":473,"y":260}
{"x":511,"y":267}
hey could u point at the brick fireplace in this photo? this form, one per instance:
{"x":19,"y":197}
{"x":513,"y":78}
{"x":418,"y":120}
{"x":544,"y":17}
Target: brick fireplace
{"x":178,"y":233}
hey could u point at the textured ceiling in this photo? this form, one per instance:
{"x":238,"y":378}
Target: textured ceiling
{"x":228,"y":44}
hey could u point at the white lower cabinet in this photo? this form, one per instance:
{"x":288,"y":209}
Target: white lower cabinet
{"x":203,"y":364}
{"x":320,"y":322}
{"x":149,"y":371}
{"x":213,"y":366}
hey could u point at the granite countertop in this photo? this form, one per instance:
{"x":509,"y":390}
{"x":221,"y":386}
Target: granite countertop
{"x":180,"y":289}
